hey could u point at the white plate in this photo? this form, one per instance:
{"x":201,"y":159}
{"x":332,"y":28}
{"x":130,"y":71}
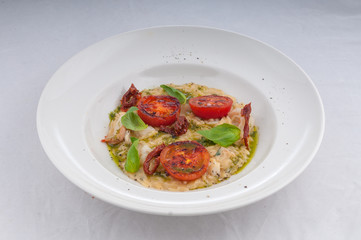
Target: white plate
{"x":73,"y":112}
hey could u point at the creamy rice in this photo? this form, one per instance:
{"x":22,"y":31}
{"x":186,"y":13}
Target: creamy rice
{"x":223,"y":163}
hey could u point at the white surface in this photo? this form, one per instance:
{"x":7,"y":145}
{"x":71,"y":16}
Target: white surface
{"x":39,"y":203}
{"x":73,"y":112}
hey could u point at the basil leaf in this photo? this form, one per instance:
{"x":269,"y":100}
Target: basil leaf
{"x":132,"y":164}
{"x":224,"y":135}
{"x":175,"y":93}
{"x":132,"y":121}
{"x":133,"y":139}
{"x":205,"y":142}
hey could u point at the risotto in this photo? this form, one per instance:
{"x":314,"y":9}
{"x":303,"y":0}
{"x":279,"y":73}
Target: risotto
{"x":192,"y":142}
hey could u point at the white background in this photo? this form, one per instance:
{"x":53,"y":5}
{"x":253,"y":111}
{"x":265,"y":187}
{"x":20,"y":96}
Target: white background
{"x":38,"y":202}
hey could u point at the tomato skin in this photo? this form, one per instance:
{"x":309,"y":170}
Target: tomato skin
{"x":210,"y":106}
{"x":158,"y":110}
{"x":185,"y":160}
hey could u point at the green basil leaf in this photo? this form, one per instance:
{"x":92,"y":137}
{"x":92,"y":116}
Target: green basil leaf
{"x":132,"y":164}
{"x":132,"y":121}
{"x":224,"y":134}
{"x":133,"y":139}
{"x":205,"y":142}
{"x":175,"y":93}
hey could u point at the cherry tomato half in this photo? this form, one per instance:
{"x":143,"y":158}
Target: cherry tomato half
{"x":158,"y":110}
{"x":210,"y":106}
{"x":185,"y":160}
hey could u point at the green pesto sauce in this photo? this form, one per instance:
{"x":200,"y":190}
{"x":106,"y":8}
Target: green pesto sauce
{"x":114,"y":113}
{"x":193,"y":126}
{"x":151,"y":138}
{"x":187,"y":94}
{"x":166,"y":138}
{"x":113,"y":151}
{"x":113,"y":156}
{"x":253,"y":146}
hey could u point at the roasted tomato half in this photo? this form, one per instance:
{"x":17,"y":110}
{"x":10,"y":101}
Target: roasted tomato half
{"x":210,"y":106}
{"x":158,"y":110}
{"x":186,"y":160}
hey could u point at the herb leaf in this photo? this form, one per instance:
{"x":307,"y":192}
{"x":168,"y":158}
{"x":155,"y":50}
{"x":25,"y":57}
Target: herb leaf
{"x":224,"y":134}
{"x":132,"y":121}
{"x":133,"y":139}
{"x":175,"y":93}
{"x":132,"y":164}
{"x":205,"y":142}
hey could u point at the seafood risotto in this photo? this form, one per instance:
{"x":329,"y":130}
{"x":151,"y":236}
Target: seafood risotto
{"x":180,"y":137}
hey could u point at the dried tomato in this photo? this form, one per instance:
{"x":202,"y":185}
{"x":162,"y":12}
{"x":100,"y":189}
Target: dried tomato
{"x":130,"y":98}
{"x":246,"y":113}
{"x":153,"y":155}
{"x":180,"y":127}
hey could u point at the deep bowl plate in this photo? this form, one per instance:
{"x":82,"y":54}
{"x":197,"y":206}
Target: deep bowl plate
{"x":73,"y":112}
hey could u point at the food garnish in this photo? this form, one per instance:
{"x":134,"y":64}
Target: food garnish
{"x":132,"y":162}
{"x":130,"y":98}
{"x":246,"y":113}
{"x":211,"y":106}
{"x":158,"y":110}
{"x":155,"y":154}
{"x":180,"y":127}
{"x":175,"y":93}
{"x":224,"y":134}
{"x":185,"y":160}
{"x":132,"y":121}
